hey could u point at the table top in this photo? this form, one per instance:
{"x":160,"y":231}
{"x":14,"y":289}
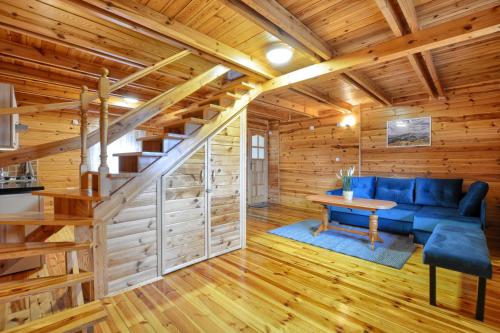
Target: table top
{"x":357,"y":203}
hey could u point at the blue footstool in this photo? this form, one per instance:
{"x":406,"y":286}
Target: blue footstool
{"x":460,"y":248}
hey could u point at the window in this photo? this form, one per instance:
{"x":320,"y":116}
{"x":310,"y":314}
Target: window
{"x":258,"y":148}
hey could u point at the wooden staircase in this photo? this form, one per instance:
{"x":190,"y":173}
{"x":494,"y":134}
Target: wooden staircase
{"x":84,"y":279}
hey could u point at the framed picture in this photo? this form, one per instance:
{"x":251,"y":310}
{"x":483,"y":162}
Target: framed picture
{"x":411,"y":132}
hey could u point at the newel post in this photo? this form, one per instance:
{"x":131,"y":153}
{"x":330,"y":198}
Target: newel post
{"x":84,"y":167}
{"x":103,"y":93}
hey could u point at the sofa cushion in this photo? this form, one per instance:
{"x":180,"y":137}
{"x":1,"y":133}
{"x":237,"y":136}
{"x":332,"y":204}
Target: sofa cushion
{"x":470,"y":205}
{"x":428,"y":217}
{"x":459,"y":248}
{"x":402,"y":212}
{"x":438,"y":192}
{"x":399,"y":190}
{"x":363,"y":187}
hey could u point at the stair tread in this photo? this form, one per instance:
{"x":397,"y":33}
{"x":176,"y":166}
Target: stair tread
{"x":69,"y":320}
{"x":181,"y":121}
{"x":164,"y":136}
{"x":21,"y":250}
{"x":116,"y":175}
{"x":70,"y":193}
{"x":190,"y":110}
{"x":141,"y":153}
{"x":37,"y":218}
{"x":13,"y":290}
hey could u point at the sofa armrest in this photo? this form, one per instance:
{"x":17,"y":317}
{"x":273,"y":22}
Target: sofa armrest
{"x":337,"y":191}
{"x":483,"y":214}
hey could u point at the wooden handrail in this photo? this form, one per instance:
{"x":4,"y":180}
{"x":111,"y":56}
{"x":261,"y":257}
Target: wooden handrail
{"x":90,"y":97}
{"x":120,"y":126}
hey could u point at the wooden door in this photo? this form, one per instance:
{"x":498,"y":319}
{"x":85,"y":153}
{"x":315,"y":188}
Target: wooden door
{"x":257,"y":192}
{"x":184,"y":220}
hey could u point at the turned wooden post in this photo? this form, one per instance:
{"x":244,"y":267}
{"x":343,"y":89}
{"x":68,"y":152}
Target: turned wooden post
{"x":103,"y":93}
{"x":84,"y":167}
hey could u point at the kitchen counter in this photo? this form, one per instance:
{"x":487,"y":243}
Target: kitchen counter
{"x":18,"y":187}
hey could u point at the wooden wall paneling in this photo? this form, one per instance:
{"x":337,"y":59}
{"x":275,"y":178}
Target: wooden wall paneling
{"x":184,"y":222}
{"x":225,"y":189}
{"x":132,"y":242}
{"x":465,"y":141}
{"x":274,"y":160}
{"x":306,"y":158}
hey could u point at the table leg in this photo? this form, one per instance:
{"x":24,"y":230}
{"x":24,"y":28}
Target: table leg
{"x":373,"y":233}
{"x":324,"y":222}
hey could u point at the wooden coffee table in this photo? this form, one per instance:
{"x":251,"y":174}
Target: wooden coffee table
{"x":371,"y":205}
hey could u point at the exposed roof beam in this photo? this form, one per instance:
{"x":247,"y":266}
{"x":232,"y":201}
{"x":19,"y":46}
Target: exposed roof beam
{"x":479,"y":24}
{"x":282,"y":18}
{"x":402,"y":25}
{"x":362,"y":82}
{"x":275,"y":19}
{"x":142,"y":19}
{"x":410,"y":14}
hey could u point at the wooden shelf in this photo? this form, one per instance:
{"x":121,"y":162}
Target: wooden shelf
{"x":71,"y":320}
{"x":21,"y":250}
{"x":44,"y":219}
{"x":13,"y":290}
{"x":87,"y":195}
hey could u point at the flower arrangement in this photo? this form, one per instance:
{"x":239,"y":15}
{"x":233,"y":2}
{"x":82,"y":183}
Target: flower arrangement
{"x":346,"y":177}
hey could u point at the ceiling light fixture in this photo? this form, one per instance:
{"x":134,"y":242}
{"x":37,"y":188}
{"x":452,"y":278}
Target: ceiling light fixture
{"x":279,"y":53}
{"x":130,"y":100}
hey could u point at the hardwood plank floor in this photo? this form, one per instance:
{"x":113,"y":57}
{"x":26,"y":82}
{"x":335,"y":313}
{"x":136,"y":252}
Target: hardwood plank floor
{"x":276,"y":284}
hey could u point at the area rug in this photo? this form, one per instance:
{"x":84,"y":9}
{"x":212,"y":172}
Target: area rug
{"x":393,"y":252}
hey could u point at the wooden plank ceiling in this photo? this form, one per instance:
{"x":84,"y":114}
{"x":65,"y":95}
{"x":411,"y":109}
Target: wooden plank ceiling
{"x":49,"y":48}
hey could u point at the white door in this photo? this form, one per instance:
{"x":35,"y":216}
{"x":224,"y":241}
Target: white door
{"x":257,"y":167}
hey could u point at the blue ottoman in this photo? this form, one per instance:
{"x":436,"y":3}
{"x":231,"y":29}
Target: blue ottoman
{"x":460,"y":248}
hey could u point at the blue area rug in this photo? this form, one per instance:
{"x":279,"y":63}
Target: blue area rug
{"x":393,"y":252}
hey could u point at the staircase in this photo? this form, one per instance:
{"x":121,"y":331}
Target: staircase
{"x":183,"y":130}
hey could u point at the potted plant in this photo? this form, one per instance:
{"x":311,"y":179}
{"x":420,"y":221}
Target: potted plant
{"x":346,"y":177}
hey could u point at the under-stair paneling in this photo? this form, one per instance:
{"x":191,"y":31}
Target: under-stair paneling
{"x":132,"y":242}
{"x":305,"y":156}
{"x":225,"y":185}
{"x":184,"y":222}
{"x":465,"y":141}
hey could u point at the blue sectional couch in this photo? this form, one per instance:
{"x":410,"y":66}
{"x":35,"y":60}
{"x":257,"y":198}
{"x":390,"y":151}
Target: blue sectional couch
{"x":423,"y":203}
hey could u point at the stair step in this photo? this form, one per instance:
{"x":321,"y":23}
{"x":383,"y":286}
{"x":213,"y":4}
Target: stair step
{"x":116,"y":175}
{"x":239,"y":85}
{"x":70,"y":320}
{"x":21,"y":250}
{"x":183,"y":121}
{"x":141,"y":154}
{"x":79,"y":194}
{"x":223,"y":99}
{"x":13,"y":290}
{"x":37,"y":218}
{"x":166,"y":136}
{"x":198,"y":109}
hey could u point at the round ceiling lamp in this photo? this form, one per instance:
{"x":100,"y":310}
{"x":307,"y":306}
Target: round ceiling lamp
{"x":279,"y":54}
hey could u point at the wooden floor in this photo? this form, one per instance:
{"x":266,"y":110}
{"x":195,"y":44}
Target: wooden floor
{"x":276,"y":284}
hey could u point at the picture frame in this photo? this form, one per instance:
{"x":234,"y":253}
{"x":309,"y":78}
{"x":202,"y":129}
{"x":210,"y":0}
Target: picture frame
{"x":411,"y":132}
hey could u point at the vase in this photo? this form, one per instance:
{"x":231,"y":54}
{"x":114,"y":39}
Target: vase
{"x":347,"y":195}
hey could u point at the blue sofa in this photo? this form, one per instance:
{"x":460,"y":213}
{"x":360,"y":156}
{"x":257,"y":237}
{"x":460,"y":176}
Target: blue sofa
{"x":422,"y":203}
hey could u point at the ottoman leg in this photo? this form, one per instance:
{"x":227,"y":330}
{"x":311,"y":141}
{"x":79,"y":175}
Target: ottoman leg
{"x":432,"y":284}
{"x":481,"y":294}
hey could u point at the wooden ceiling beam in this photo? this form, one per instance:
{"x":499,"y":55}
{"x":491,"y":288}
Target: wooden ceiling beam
{"x":142,"y":19}
{"x":408,"y":24}
{"x":410,"y":14}
{"x":364,"y":83}
{"x":479,"y":24}
{"x":277,"y":14}
{"x":277,"y":20}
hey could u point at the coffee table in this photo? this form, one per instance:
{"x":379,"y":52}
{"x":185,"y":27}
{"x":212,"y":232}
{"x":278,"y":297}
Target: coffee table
{"x":371,"y":205}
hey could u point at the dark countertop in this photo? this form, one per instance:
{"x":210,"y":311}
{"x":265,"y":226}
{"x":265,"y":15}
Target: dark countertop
{"x":16,"y":188}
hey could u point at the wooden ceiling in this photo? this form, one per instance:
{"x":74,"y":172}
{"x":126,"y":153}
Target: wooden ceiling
{"x":49,"y":48}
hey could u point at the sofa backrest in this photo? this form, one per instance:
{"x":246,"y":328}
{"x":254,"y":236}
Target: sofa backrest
{"x":363,"y":187}
{"x":399,"y":190}
{"x":438,"y":192}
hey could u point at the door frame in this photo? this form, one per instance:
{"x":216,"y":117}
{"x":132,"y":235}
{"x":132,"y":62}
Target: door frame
{"x":264,"y":133}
